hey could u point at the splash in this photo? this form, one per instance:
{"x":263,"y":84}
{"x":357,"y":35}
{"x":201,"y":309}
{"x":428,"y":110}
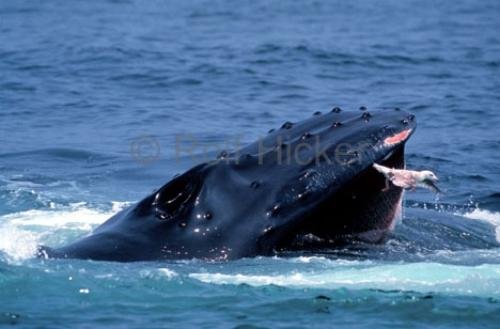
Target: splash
{"x":488,"y":216}
{"x":23,"y":231}
{"x":17,"y":244}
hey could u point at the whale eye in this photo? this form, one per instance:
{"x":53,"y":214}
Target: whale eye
{"x":172,"y":199}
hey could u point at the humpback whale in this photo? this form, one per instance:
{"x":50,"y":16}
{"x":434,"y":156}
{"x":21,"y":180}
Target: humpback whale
{"x":305,"y":186}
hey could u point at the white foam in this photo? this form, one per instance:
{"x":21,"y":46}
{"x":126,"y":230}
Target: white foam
{"x":22,"y":232}
{"x":424,"y":277}
{"x":296,"y":279}
{"x":83,"y":218}
{"x":168,"y":273}
{"x":159,"y":273}
{"x":17,"y":244}
{"x":488,"y":216}
{"x":327,"y":261}
{"x":308,"y":259}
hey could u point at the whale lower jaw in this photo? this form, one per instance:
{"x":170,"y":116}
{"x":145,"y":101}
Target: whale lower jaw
{"x":360,"y":212}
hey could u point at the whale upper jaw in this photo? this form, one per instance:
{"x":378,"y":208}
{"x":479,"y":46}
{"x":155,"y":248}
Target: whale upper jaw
{"x":306,"y":185}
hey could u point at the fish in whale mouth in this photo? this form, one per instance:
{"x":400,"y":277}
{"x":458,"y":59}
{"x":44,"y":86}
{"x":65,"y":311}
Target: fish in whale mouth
{"x":306,"y":185}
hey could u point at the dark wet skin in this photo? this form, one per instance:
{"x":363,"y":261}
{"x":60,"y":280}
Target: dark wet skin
{"x":305,"y":186}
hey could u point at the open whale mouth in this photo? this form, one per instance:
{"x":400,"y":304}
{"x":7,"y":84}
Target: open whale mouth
{"x":368,"y":207}
{"x":358,"y":205}
{"x":364,"y":209}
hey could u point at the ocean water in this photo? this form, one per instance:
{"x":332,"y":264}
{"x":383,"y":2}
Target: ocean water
{"x":103,"y":101}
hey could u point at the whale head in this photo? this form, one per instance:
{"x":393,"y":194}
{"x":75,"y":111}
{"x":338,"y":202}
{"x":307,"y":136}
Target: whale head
{"x":305,"y":185}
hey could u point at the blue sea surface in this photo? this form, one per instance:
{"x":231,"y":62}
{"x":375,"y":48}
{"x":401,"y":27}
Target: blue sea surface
{"x":102,"y":102}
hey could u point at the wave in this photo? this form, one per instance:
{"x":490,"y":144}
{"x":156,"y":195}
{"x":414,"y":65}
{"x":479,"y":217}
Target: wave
{"x":61,"y":153}
{"x":465,"y":272}
{"x":422,"y":277}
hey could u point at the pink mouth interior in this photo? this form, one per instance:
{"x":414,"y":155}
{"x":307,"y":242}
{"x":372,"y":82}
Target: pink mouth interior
{"x":398,"y":138}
